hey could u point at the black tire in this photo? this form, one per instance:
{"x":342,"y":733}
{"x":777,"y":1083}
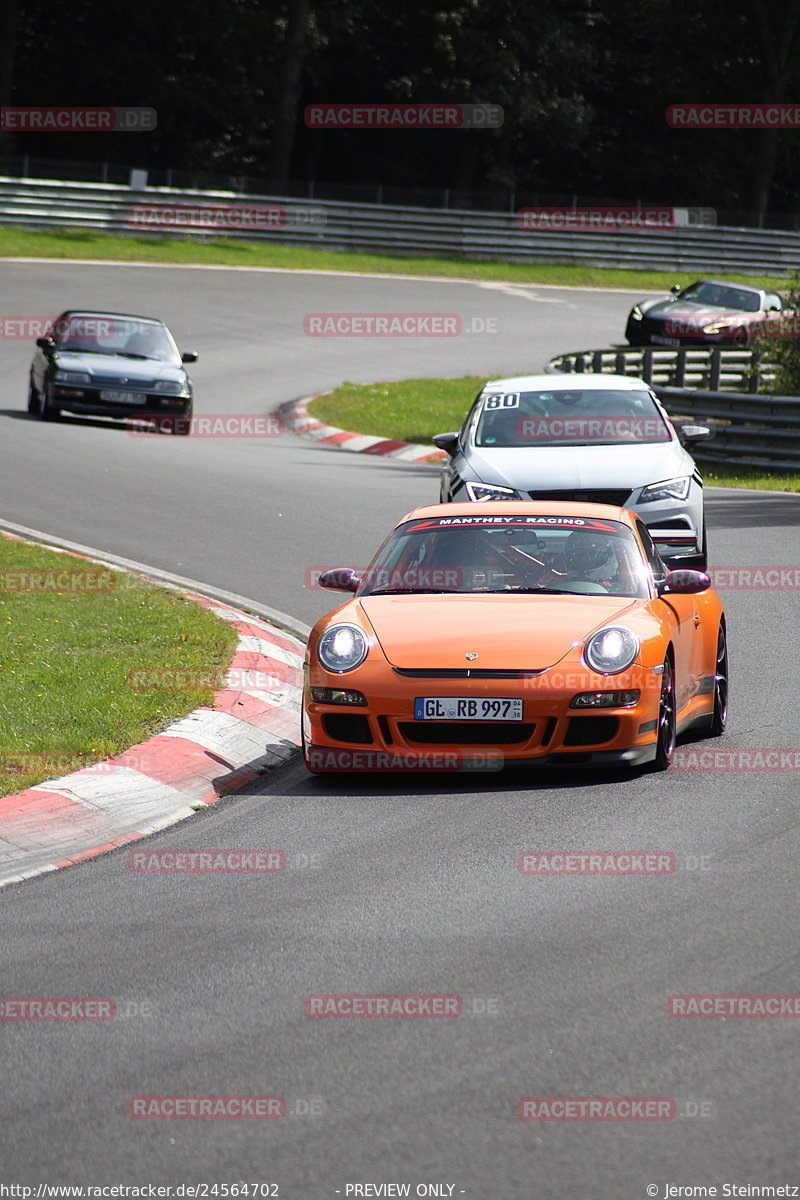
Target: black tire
{"x":46,"y":410}
{"x":667,"y":719}
{"x":183,"y":424}
{"x":719,"y":717}
{"x":33,"y":400}
{"x":702,"y":557}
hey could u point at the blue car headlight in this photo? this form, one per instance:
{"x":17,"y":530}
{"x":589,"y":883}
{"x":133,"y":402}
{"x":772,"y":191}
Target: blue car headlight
{"x":72,"y":377}
{"x":172,"y":387}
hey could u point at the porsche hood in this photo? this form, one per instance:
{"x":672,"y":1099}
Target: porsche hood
{"x":503,"y":631}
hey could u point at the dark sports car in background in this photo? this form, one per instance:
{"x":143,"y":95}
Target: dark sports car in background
{"x":707,"y":312}
{"x":111,"y":365}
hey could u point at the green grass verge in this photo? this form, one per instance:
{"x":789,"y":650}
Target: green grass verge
{"x":215,"y":251}
{"x":65,"y":695}
{"x":413,"y":410}
{"x":750,"y":477}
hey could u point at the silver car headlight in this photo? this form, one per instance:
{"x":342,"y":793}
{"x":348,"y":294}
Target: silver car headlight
{"x":636,"y":313}
{"x":611,"y":650}
{"x":668,"y":489}
{"x":719,"y":326}
{"x":172,"y":387}
{"x":481,"y":492}
{"x":342,"y":648}
{"x":72,"y":377}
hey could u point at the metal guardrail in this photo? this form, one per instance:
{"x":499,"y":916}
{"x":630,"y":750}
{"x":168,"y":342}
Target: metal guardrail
{"x":706,"y":367}
{"x":749,"y":429}
{"x":403,"y":230}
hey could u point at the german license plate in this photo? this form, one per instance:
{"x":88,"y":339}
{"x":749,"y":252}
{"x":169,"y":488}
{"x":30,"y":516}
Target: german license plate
{"x":466,"y":708}
{"x":664,"y":341}
{"x":121,"y":397}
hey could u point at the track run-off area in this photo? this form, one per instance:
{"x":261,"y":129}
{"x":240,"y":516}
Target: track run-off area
{"x":393,"y":885}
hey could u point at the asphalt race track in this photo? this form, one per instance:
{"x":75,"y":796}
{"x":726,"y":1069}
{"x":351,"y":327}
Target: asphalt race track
{"x":400,"y":885}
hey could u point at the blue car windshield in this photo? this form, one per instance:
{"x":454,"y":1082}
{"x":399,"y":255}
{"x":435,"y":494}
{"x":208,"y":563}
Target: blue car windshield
{"x":101,"y":333}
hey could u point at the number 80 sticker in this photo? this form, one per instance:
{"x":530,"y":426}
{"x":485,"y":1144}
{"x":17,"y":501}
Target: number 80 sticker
{"x":503,"y":400}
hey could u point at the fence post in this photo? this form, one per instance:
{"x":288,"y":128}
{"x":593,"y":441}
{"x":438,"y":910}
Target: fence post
{"x":680,"y":367}
{"x":647,"y":365}
{"x":713,"y":382}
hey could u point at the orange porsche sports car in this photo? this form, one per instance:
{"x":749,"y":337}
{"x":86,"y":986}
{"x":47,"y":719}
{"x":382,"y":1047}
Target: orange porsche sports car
{"x":540,"y":632}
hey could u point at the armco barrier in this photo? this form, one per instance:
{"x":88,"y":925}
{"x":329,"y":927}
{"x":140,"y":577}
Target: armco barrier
{"x":749,"y":429}
{"x":707,"y":367}
{"x":405,"y":230}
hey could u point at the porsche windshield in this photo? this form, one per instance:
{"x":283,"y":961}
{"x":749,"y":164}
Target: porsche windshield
{"x":513,"y":554}
{"x":97,"y":333}
{"x":716,"y":295}
{"x":579,"y":417}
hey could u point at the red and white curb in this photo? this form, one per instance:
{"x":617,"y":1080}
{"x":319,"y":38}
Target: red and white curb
{"x":299,"y":421}
{"x":254,"y":725}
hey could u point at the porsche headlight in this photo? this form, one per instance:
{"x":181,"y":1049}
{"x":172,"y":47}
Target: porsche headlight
{"x":668,"y":489}
{"x":718,"y":326}
{"x":342,"y":648}
{"x":611,"y":650}
{"x":636,"y":313}
{"x":481,"y":492}
{"x":72,"y":377}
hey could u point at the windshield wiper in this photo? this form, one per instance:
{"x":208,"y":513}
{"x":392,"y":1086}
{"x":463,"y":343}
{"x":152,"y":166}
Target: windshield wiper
{"x":533,"y":591}
{"x":409,"y":591}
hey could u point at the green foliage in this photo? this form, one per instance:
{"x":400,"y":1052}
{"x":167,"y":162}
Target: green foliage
{"x":780,"y":344}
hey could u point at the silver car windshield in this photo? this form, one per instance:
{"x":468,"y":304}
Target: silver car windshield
{"x":593,"y":416}
{"x":501,"y":553}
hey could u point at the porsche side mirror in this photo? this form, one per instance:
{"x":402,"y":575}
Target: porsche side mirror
{"x":340,"y":579}
{"x":693,"y":433}
{"x":189,"y":356}
{"x":676,"y":287}
{"x":684,"y":583}
{"x":45,"y":343}
{"x":446,"y":441}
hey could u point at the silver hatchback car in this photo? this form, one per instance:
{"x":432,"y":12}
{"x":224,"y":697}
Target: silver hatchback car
{"x":604,"y":439}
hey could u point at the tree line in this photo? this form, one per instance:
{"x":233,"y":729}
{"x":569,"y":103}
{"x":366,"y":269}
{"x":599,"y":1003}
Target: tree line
{"x":584,"y":86}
